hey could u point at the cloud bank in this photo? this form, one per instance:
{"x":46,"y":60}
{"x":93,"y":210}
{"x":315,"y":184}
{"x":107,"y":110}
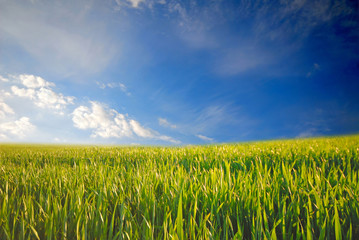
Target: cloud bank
{"x":103,"y":122}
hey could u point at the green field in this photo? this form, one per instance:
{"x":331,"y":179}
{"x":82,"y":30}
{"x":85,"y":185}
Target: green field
{"x":290,"y":189}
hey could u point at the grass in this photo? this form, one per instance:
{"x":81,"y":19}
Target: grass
{"x":292,"y":189}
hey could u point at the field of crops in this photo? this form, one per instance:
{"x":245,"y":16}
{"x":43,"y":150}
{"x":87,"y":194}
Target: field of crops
{"x":292,"y":189}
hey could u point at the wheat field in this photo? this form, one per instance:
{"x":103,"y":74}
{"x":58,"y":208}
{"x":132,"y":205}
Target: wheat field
{"x":285,"y":189}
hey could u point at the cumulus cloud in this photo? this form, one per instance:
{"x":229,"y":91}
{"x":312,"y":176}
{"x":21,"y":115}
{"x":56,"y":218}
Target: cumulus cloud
{"x":40,"y":92}
{"x":204,"y":138}
{"x":19,"y":128}
{"x":32,"y":81}
{"x":23,"y":92}
{"x":48,"y":98}
{"x":164,"y":122}
{"x":107,"y":123}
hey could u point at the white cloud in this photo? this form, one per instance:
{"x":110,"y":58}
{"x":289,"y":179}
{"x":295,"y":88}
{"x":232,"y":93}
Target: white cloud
{"x":107,"y":123}
{"x":141,"y":131}
{"x":3,"y":79}
{"x":5,"y":110}
{"x":39,"y":91}
{"x":4,"y":94}
{"x":46,"y":98}
{"x":32,"y":81}
{"x":137,"y":3}
{"x":204,"y":138}
{"x":19,"y":128}
{"x":23,"y":92}
{"x":164,"y":122}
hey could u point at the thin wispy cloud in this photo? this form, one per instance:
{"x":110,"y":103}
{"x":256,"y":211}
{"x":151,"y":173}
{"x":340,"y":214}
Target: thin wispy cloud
{"x":241,"y":59}
{"x":314,"y":69}
{"x":149,"y":133}
{"x":215,"y":116}
{"x":276,"y":30}
{"x":165,"y":123}
{"x":5,"y":110}
{"x":112,"y":85}
{"x":194,"y":24}
{"x":204,"y":138}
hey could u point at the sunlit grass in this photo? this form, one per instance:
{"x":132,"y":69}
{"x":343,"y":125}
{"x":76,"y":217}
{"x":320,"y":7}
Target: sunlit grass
{"x":293,"y":189}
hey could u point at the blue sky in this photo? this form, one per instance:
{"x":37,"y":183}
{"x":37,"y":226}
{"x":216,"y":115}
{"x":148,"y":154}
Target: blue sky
{"x":177,"y":72}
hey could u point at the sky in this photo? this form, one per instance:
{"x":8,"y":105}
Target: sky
{"x":170,"y":72}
